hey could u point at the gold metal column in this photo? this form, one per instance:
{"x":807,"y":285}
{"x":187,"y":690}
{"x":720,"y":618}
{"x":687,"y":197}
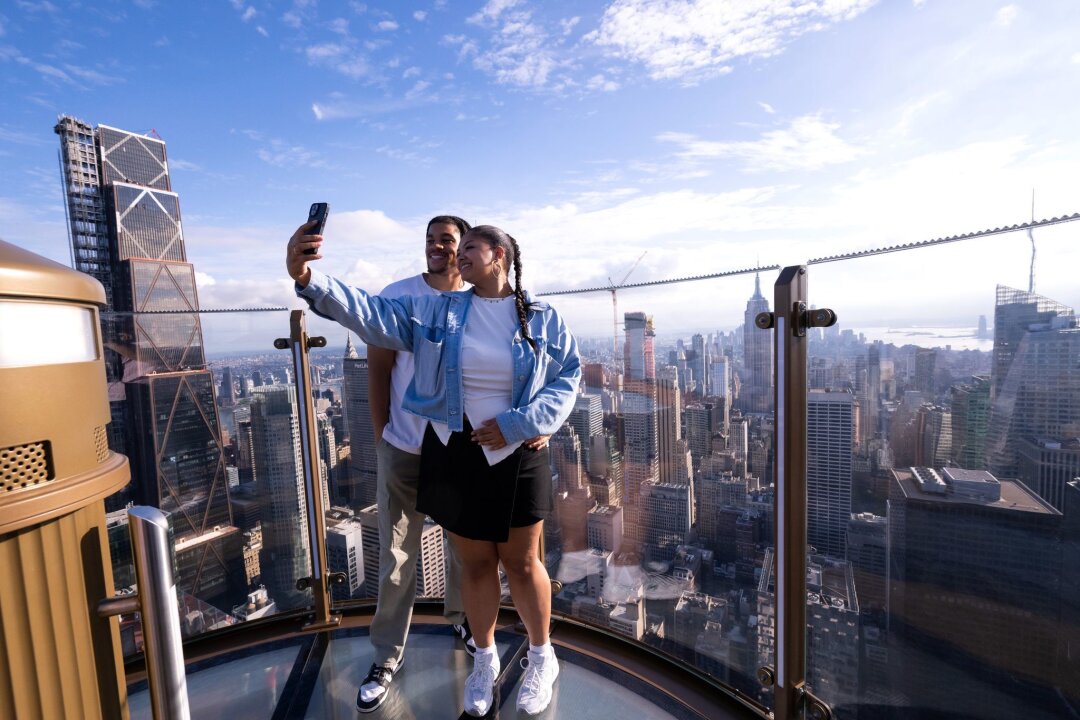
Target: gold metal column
{"x":790,"y":320}
{"x":321,"y":578}
{"x":57,"y":658}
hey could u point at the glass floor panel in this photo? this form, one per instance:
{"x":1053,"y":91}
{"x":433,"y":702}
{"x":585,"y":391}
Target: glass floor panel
{"x":317,"y":677}
{"x":428,"y":687}
{"x":588,"y":688}
{"x":244,"y":686}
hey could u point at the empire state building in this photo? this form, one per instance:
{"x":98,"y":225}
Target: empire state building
{"x":757,"y":389}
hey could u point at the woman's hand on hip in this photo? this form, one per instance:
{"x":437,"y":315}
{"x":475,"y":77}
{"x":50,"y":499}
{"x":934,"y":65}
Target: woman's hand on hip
{"x":489,"y":435}
{"x":537,"y":443}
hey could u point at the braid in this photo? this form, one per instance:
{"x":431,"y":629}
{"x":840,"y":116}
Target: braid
{"x":519,"y":294}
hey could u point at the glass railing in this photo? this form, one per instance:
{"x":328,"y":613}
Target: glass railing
{"x":940,"y":451}
{"x":942,"y":423}
{"x":205,"y":409}
{"x":663,"y":474}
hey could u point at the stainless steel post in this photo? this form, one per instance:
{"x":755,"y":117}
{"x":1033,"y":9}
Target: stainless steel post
{"x":150,"y":547}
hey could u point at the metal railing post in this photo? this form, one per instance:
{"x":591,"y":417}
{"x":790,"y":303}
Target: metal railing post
{"x":156,"y":603}
{"x":321,"y":578}
{"x":790,"y":319}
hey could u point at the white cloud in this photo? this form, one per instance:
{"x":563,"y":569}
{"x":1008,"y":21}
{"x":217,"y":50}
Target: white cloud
{"x":248,"y":14}
{"x":599,"y":82}
{"x":808,"y":143}
{"x":568,"y":24}
{"x":262,"y":31}
{"x":178,"y":164}
{"x":767,"y":108}
{"x":521,"y":52}
{"x":410,"y":72}
{"x":387,"y":25}
{"x":340,"y":57}
{"x":688,"y":39}
{"x":420,"y":15}
{"x":1005,"y":16}
{"x":277,"y":152}
{"x":417,"y":89}
{"x":918,"y":3}
{"x":492,"y":10}
{"x":339,"y":26}
{"x":1076,"y":58}
{"x":292,"y":19}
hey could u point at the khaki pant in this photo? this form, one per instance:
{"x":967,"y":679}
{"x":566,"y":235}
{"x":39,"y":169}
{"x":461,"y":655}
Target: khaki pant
{"x":400,"y":528}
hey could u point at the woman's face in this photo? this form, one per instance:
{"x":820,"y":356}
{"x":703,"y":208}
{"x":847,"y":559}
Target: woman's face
{"x":477,"y":260}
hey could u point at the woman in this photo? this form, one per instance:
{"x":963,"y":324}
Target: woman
{"x":493,"y":371}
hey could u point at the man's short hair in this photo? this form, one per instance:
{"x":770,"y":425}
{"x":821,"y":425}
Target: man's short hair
{"x":462,"y":226}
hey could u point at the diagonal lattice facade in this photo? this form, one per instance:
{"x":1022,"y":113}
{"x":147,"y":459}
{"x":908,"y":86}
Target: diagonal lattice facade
{"x":164,"y":402}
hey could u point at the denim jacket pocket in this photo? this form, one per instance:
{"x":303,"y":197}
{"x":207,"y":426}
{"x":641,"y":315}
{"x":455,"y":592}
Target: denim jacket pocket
{"x":428,"y":376}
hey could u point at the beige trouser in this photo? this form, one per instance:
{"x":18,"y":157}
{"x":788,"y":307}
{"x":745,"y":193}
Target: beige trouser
{"x":400,"y":529}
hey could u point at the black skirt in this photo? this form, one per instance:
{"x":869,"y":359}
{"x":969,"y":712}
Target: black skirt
{"x":470,"y":498}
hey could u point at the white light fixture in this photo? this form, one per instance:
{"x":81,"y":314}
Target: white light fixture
{"x":39,"y":333}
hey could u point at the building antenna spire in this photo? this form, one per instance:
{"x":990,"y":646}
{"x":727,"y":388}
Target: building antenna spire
{"x":1031,"y":237}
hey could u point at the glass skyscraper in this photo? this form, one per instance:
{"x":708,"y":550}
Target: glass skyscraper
{"x":125,"y":231}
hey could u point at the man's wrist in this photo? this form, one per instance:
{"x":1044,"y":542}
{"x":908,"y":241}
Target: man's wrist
{"x":304,"y":278}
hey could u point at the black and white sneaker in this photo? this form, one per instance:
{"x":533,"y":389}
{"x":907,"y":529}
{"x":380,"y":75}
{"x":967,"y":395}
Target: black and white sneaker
{"x":465,"y":634}
{"x":376,"y":686}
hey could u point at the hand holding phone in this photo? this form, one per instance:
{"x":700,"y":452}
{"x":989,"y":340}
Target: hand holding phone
{"x":318,"y":213}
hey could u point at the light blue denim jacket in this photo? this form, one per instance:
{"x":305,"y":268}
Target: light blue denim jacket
{"x":431,"y":327}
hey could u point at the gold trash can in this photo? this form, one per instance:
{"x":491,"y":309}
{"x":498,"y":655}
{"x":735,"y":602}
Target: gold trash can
{"x":57,"y":658}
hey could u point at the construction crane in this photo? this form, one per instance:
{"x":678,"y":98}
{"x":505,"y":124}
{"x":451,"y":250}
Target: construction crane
{"x":615,"y":304}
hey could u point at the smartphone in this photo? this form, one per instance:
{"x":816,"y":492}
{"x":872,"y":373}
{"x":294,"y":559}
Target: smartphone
{"x":318,"y":213}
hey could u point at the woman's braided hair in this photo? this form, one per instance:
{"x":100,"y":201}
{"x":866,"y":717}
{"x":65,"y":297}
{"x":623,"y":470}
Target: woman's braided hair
{"x":499,"y":238}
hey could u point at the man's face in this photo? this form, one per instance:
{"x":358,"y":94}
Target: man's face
{"x":441,"y":247}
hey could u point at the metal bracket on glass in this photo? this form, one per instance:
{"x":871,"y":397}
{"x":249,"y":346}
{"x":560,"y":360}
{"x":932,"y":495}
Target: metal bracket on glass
{"x":810,"y":706}
{"x":334,"y":578}
{"x":818,"y":317}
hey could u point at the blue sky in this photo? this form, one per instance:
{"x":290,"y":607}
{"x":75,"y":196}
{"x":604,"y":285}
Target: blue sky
{"x":710,"y":134}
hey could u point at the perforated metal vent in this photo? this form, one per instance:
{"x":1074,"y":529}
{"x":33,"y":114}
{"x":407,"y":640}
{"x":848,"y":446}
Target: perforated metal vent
{"x":23,"y":466}
{"x":101,"y":444}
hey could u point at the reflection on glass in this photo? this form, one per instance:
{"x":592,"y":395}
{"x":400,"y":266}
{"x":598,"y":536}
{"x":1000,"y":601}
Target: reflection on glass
{"x":951,"y":588}
{"x":663,"y":472}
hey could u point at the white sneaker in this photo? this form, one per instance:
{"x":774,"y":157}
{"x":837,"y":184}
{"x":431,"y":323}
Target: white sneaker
{"x":480,"y":684}
{"x":536,"y":686}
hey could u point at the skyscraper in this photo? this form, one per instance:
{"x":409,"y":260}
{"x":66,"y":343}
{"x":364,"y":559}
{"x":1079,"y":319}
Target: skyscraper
{"x":1035,"y":389}
{"x":970,"y":420}
{"x":639,"y":356}
{"x":830,"y":430}
{"x":1015,"y":313}
{"x":757,"y":389}
{"x":669,"y":425}
{"x":973,"y":589}
{"x":275,"y":431}
{"x":587,"y":419}
{"x":362,"y":461}
{"x":125,"y":231}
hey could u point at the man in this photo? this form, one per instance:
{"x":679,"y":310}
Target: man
{"x":398,"y":436}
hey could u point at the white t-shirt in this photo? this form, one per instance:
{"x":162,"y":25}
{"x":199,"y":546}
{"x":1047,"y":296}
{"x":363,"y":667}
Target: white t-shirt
{"x":405,"y":431}
{"x":487,"y":366}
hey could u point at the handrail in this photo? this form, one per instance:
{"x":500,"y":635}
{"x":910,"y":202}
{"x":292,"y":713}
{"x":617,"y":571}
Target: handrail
{"x":151,"y":549}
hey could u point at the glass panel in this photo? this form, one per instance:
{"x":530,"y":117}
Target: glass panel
{"x":216,"y":445}
{"x":663,"y":474}
{"x":946,"y":426}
